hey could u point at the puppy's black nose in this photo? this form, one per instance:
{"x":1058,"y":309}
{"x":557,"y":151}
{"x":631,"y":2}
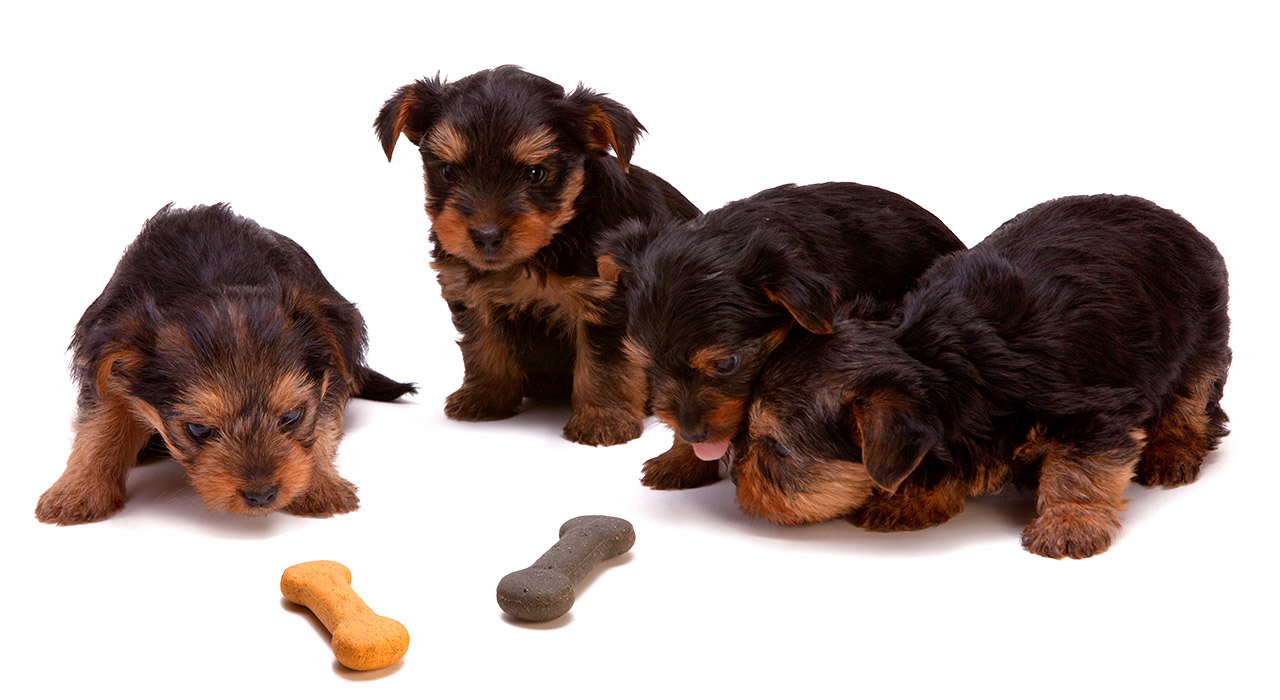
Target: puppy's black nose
{"x":697,"y":434}
{"x":259,"y":498}
{"x":488,"y":238}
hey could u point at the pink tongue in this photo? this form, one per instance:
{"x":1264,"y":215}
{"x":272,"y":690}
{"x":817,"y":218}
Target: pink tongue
{"x":710,"y":451}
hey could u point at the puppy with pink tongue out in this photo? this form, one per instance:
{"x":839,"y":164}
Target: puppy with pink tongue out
{"x":709,"y":299}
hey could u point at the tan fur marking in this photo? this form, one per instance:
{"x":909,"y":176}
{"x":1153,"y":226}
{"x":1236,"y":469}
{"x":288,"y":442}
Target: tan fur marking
{"x":810,"y":323}
{"x":705,"y":359}
{"x":533,"y":148}
{"x":601,"y":134}
{"x":832,"y":489}
{"x":636,"y":353}
{"x":608,"y":269}
{"x":403,"y":113}
{"x":448,"y":144}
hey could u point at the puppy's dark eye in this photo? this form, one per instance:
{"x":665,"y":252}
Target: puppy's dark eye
{"x":727,"y":365}
{"x":200,"y":433}
{"x":447,"y":172}
{"x":780,"y":451}
{"x":535,"y":174}
{"x":289,"y":419}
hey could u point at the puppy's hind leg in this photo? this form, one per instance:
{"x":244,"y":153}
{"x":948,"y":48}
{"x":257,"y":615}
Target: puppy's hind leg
{"x":1080,"y":497}
{"x":108,"y":438}
{"x":1190,"y":424}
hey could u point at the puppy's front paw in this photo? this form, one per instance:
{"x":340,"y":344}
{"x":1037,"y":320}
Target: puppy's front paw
{"x":478,"y":403}
{"x":901,"y":512}
{"x":597,"y":425}
{"x":1070,"y":531}
{"x":73,"y":505}
{"x":679,"y":468}
{"x":329,"y":495}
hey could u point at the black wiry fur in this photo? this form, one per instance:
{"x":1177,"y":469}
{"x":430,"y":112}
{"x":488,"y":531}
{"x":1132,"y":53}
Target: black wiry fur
{"x":1081,"y":344}
{"x":208,"y":310}
{"x":514,"y":232}
{"x":731,"y":284}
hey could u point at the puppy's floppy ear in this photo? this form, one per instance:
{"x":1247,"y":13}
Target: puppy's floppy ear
{"x":333,"y":337}
{"x":790,"y":281}
{"x":411,"y":111}
{"x":621,"y":246}
{"x":608,"y":124}
{"x":896,"y":434}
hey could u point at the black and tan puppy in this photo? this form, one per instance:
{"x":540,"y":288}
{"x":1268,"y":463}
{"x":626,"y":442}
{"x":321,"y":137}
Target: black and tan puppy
{"x":519,"y":185}
{"x":709,"y":299}
{"x":1080,"y":346}
{"x":221,"y":341}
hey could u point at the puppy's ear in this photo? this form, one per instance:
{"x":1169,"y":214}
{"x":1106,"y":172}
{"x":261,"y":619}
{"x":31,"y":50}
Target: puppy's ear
{"x":791,"y":282}
{"x":896,"y":435}
{"x":334,"y":347}
{"x":621,"y":246}
{"x":411,"y":111}
{"x":114,"y":348}
{"x":608,"y":269}
{"x":607,"y":123}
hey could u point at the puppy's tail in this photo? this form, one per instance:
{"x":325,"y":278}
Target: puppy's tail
{"x":377,"y":387}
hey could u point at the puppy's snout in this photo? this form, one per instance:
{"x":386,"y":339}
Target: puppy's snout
{"x":695,"y":434}
{"x":488,"y":238}
{"x":260,"y":497}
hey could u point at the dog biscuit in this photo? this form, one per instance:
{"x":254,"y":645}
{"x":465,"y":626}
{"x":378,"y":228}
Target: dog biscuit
{"x":362,"y":640}
{"x":544,"y":591}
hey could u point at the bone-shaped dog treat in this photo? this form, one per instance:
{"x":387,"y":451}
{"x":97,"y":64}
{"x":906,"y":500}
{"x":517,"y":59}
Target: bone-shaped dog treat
{"x":362,"y":640}
{"x":544,"y":591}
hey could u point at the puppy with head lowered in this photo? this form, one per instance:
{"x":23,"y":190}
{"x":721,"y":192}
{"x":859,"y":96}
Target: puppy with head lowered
{"x":222,"y":343}
{"x":519,"y":186}
{"x":708,"y":300}
{"x":1079,"y":347}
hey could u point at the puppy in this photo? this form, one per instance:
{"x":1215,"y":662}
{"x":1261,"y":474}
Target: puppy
{"x":710,"y":299}
{"x":1080,"y":346}
{"x":519,"y":186}
{"x":221,"y":341}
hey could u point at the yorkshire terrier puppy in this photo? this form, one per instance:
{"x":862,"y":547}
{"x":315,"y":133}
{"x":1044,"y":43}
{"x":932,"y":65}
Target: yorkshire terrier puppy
{"x":222,"y":342}
{"x":519,"y":186}
{"x":1079,"y":347}
{"x":709,"y":299}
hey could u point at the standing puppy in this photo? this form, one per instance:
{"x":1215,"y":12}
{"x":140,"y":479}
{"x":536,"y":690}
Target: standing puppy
{"x":1080,"y":346}
{"x":709,"y":299}
{"x":222,"y":341}
{"x":519,"y":186}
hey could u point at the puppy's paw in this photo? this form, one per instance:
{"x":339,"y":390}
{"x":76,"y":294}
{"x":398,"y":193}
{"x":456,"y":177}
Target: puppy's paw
{"x":476,"y":403}
{"x":72,"y":505}
{"x":903,"y":512}
{"x":1074,"y":531}
{"x":679,"y":468}
{"x":1168,"y":464}
{"x":602,"y":426}
{"x":329,"y":495}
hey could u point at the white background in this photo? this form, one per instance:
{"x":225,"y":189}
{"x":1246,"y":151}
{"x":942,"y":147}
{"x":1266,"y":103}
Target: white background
{"x":976,"y":111}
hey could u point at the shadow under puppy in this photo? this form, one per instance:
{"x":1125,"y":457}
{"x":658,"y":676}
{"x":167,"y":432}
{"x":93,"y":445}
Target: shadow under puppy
{"x":709,"y":299}
{"x":223,"y":340}
{"x":519,"y":185}
{"x":1080,"y":346}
